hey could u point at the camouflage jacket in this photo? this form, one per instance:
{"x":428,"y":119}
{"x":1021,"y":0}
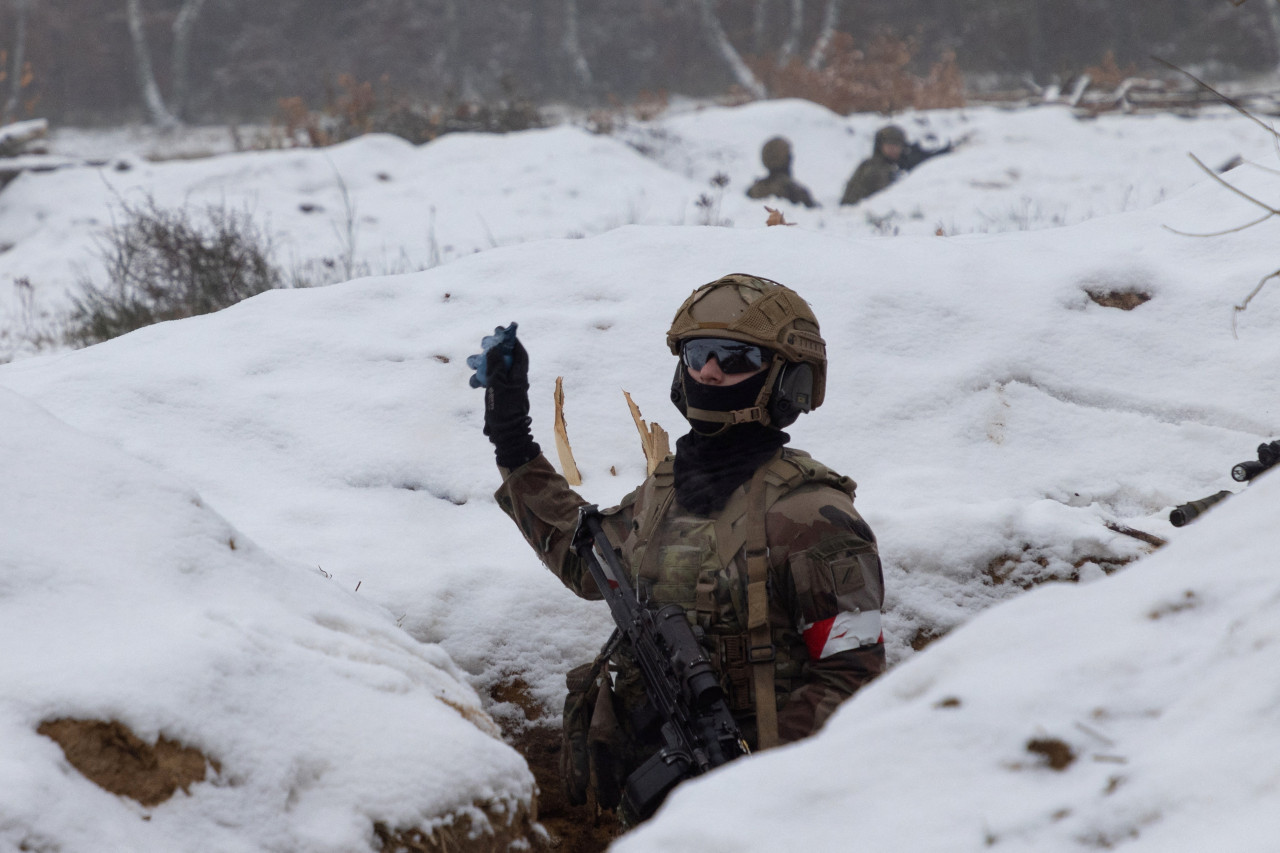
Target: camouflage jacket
{"x":782,"y":185}
{"x":872,"y":175}
{"x":826,"y":589}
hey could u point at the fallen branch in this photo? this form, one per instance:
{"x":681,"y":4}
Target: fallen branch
{"x":1149,"y":538}
{"x":15,"y":137}
{"x":1245,"y":304}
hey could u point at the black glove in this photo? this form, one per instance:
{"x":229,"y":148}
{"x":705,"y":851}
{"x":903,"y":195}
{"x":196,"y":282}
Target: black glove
{"x":502,"y":369}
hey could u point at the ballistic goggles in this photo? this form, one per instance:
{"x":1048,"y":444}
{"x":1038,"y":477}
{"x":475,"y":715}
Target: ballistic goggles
{"x":732,"y":356}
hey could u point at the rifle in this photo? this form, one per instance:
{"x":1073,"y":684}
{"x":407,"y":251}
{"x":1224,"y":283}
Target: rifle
{"x":1245,"y":472}
{"x":913,"y":154}
{"x":699,"y":732}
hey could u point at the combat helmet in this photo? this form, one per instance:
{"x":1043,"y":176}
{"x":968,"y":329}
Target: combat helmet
{"x":758,"y":311}
{"x":776,"y":154}
{"x":889,"y":133}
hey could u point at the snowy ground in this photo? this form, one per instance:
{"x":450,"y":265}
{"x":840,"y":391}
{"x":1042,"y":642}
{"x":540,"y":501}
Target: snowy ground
{"x":1001,"y":426}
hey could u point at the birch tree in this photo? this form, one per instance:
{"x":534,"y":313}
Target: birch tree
{"x":829,"y":21}
{"x":1272,"y":8}
{"x":20,"y":10}
{"x":183,"y":27}
{"x":573,"y":48}
{"x":757,"y":27}
{"x":715,"y":32}
{"x":792,"y":44}
{"x":158,"y":114}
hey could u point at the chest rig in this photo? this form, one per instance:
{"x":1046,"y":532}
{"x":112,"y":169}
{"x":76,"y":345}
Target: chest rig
{"x":717,"y":568}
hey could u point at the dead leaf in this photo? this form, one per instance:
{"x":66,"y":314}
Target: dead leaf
{"x":776,"y":217}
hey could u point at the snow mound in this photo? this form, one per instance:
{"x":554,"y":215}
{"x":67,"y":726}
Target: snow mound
{"x":1138,"y":713}
{"x":304,"y":715}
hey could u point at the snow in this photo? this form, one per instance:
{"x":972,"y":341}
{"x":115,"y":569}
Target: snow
{"x":1003,"y":429}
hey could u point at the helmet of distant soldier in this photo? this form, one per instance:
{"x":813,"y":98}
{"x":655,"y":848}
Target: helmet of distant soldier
{"x":890,"y":134}
{"x":759,"y":311}
{"x":776,"y":154}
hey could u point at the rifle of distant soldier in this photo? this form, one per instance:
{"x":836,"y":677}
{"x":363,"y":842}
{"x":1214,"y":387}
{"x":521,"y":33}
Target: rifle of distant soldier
{"x":1268,"y":456}
{"x":913,"y":154}
{"x":698,"y":730}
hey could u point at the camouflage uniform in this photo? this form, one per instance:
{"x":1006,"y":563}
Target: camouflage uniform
{"x":759,"y":543}
{"x":776,"y":156}
{"x":877,"y":171}
{"x":826,"y":584}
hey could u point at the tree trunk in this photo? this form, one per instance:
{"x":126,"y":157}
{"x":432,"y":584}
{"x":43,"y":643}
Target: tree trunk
{"x":741,"y":73}
{"x":183,"y":27}
{"x":157,"y":113}
{"x":573,"y":48}
{"x":1037,"y":61}
{"x":829,"y":20}
{"x":789,"y":46}
{"x":447,"y":62}
{"x":757,"y":27}
{"x":11,"y":105}
{"x":1273,"y":16}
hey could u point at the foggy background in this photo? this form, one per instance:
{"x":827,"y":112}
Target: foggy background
{"x":93,"y":62}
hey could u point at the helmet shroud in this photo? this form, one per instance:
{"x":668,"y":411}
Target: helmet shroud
{"x":776,"y":154}
{"x":759,"y":311}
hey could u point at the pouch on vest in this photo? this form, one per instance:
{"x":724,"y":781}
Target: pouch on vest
{"x":594,"y":757}
{"x":575,"y":761}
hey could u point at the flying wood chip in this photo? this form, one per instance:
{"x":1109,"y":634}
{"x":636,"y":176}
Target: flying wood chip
{"x":653,"y":439}
{"x":563,"y":450}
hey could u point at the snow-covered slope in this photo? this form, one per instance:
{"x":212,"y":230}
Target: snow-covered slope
{"x":1004,"y":429}
{"x":125,"y":599}
{"x":1138,"y":714}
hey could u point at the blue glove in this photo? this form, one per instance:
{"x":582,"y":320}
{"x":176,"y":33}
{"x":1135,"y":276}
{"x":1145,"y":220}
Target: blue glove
{"x":503,"y":340}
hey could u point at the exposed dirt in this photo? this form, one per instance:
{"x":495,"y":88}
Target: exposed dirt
{"x":117,"y":760}
{"x":1056,"y":753}
{"x":573,"y":829}
{"x":1125,"y":300}
{"x":458,"y":837}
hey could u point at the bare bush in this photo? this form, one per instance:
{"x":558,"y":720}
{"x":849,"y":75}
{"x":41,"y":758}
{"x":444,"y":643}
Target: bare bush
{"x":354,"y":108}
{"x":167,"y":264}
{"x":878,"y":79}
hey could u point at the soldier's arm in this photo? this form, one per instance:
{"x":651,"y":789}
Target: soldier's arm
{"x":832,"y":588}
{"x":799,"y":194}
{"x":760,"y":189}
{"x":545,"y":508}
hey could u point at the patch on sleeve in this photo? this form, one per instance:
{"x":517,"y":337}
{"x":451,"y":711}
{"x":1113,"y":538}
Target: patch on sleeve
{"x":845,"y":631}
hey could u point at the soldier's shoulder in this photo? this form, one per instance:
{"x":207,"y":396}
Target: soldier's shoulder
{"x":763,"y":188}
{"x":650,"y":491}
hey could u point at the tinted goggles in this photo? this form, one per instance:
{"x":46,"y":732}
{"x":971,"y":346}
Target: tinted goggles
{"x":732,"y":356}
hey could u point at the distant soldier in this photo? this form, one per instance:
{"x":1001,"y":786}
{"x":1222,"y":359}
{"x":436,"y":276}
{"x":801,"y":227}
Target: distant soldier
{"x":891,"y":157}
{"x":776,"y":156}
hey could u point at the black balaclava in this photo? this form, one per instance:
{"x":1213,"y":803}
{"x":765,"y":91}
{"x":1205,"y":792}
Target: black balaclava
{"x":710,"y":467}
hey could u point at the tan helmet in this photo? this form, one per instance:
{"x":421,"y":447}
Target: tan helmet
{"x":758,"y":311}
{"x":776,"y":154}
